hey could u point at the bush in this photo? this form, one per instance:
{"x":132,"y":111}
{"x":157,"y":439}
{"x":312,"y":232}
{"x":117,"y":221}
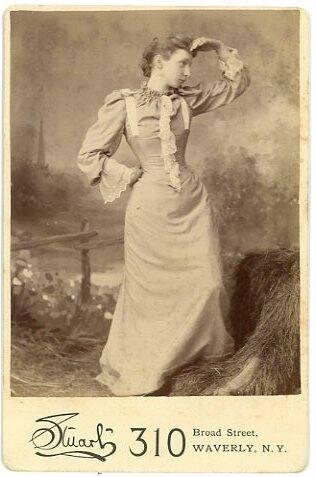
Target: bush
{"x":41,"y":192}
{"x":252,"y":213}
{"x":51,"y":299}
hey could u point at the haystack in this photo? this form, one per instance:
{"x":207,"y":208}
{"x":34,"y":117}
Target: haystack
{"x":265,"y":317}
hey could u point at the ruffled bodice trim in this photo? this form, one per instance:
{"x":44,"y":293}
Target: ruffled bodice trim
{"x":168,"y":143}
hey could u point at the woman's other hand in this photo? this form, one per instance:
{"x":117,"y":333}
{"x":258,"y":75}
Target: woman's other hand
{"x":206,"y":44}
{"x":211,"y":44}
{"x":135,"y":175}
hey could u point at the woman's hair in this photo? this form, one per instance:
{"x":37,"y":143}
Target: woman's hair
{"x":165,"y":48}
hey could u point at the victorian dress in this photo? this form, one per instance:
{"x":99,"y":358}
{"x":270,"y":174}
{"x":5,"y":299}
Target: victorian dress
{"x":168,"y":310}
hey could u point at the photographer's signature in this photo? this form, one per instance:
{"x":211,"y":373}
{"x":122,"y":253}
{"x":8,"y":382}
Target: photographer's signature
{"x":56,"y":436}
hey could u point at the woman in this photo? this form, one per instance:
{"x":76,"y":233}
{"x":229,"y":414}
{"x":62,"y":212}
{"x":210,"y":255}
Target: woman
{"x":169,"y":305}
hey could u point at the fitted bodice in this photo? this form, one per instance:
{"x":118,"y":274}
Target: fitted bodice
{"x":148,"y":151}
{"x":157,"y":133}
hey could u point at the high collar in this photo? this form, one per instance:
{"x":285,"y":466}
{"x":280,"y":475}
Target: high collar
{"x":149,"y":93}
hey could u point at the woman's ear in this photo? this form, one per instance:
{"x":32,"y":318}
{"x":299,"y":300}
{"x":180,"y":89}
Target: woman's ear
{"x":157,"y":61}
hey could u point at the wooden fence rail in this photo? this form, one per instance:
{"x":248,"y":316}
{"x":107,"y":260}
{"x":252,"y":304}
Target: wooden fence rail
{"x":53,"y":239}
{"x":81,"y":243}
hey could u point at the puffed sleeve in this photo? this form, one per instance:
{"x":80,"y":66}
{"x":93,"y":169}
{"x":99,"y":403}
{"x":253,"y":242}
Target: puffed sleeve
{"x":101,"y":142}
{"x":235,"y":80}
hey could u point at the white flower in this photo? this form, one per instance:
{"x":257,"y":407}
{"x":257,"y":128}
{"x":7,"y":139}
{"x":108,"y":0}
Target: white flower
{"x":108,"y":316}
{"x":16,"y":281}
{"x":45,"y":297}
{"x":72,"y":297}
{"x":99,"y":307}
{"x":29,"y":265}
{"x":27,"y":273}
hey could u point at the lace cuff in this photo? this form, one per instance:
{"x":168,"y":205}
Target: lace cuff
{"x":115,"y":178}
{"x":230,"y":64}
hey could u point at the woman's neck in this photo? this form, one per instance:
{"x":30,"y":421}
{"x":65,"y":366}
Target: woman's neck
{"x":156,"y":83}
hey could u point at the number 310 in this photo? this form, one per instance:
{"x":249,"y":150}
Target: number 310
{"x":174,"y":449}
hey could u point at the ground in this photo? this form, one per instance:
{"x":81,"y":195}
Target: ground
{"x":45,"y":363}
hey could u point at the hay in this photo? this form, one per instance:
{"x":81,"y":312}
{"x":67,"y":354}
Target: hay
{"x":48,"y":363}
{"x":265,"y":318}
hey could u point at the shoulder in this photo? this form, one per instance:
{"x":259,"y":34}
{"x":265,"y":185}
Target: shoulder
{"x":113,"y":97}
{"x":126,"y":92}
{"x":113,"y":107}
{"x":117,"y":97}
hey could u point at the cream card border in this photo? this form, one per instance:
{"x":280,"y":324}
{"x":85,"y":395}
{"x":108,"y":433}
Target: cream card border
{"x":276,"y":419}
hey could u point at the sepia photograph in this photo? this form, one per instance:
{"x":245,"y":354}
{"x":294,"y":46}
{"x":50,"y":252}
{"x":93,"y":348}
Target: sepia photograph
{"x":155,"y":202}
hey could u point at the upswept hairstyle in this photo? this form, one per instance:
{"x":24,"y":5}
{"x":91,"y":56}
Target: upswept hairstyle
{"x":165,"y":48}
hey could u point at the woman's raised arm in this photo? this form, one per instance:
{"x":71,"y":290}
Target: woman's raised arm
{"x":235,"y":78}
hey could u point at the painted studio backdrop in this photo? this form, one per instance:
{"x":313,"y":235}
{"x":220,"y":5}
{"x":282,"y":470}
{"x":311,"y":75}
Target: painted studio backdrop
{"x":67,"y":247}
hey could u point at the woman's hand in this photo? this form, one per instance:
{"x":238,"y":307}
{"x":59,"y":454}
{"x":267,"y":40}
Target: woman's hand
{"x":206,"y":44}
{"x":209,"y":44}
{"x":135,"y":175}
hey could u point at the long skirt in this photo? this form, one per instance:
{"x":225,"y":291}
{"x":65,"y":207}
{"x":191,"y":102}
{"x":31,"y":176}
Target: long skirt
{"x":169,"y":309}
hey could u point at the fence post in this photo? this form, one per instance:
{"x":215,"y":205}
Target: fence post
{"x":85,"y":268}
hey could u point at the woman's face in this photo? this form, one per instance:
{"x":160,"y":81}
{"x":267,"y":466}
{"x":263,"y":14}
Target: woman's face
{"x":176,"y":69}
